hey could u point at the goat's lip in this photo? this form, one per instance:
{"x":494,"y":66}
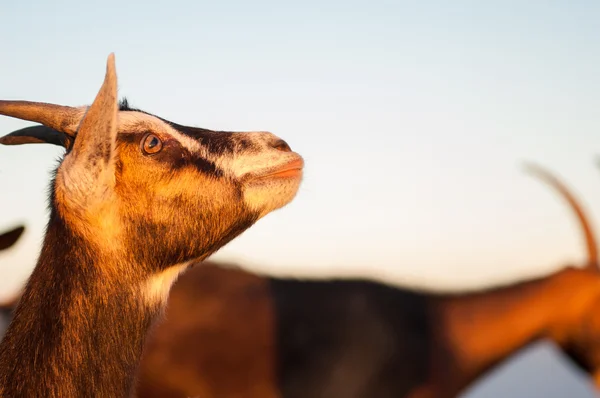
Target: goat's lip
{"x":291,"y":169}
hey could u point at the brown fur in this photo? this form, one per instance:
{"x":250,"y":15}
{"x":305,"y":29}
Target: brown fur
{"x":124,"y":223}
{"x":475,"y":332}
{"x":223,"y":336}
{"x":221,"y":341}
{"x":227,"y":332}
{"x":209,"y":309}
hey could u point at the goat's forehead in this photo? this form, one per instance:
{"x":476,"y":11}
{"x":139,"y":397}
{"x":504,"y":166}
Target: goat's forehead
{"x":134,"y":122}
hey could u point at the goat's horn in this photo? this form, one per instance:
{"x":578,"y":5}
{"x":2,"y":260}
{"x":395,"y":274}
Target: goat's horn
{"x":61,"y":118}
{"x":553,"y":181}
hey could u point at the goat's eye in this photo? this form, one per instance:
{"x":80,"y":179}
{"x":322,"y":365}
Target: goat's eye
{"x":151,"y":144}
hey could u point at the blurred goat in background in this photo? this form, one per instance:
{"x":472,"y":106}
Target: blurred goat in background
{"x":230,"y":333}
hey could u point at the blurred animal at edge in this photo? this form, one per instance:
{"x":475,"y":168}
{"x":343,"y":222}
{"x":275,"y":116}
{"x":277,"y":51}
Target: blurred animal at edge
{"x":8,"y":240}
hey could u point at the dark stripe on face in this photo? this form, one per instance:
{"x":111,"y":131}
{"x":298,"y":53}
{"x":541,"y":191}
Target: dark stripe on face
{"x":175,"y":155}
{"x":215,"y":142}
{"x":206,"y":166}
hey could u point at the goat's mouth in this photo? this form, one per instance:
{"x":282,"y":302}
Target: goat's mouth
{"x":292,"y":169}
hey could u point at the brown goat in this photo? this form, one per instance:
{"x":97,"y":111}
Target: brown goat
{"x":229,"y":333}
{"x":135,"y":201}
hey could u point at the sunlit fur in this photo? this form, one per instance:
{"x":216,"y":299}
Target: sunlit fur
{"x":184,"y":198}
{"x":123,"y":225}
{"x":230,"y":333}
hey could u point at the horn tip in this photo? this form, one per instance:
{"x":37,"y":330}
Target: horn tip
{"x":110,"y":67}
{"x":535,"y":169}
{"x":529,"y":166}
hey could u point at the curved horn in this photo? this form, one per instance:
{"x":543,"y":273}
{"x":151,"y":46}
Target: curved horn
{"x":37,"y":135}
{"x":554,"y":182}
{"x":58,"y":117}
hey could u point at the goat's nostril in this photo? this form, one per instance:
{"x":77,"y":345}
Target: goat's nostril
{"x":282,"y":146}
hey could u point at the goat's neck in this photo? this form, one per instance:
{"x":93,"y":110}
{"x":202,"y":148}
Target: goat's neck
{"x":77,"y":331}
{"x":474,"y":332}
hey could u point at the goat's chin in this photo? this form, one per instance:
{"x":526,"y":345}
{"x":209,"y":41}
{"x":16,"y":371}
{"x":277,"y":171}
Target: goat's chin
{"x":268,"y":194}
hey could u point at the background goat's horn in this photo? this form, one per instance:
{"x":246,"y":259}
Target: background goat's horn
{"x":584,"y":220}
{"x":57,"y":117}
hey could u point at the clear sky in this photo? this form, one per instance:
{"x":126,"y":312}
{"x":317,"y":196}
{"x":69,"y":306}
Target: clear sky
{"x":413,"y":120}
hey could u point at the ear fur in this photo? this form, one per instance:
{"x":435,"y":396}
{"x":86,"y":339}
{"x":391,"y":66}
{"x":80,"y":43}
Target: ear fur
{"x":88,"y":171}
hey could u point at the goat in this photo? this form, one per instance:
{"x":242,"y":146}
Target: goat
{"x":9,"y":238}
{"x":135,"y":201}
{"x":230,"y":333}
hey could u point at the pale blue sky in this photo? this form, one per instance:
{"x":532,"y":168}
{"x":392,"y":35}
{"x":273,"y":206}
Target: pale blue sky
{"x":412,"y":118}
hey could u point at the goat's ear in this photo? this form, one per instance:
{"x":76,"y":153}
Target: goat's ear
{"x":90,"y":166}
{"x":37,"y":135}
{"x":7,"y":239}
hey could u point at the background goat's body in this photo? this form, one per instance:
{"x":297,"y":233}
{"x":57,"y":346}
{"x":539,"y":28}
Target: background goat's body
{"x":230,"y":333}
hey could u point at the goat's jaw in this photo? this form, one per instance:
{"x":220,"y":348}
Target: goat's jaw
{"x":290,"y":169}
{"x":274,"y":187}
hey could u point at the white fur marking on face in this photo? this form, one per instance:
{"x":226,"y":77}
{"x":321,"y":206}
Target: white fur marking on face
{"x":132,"y":121}
{"x":191,"y":144}
{"x":236,"y":165}
{"x":155,"y":290}
{"x":266,"y":158}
